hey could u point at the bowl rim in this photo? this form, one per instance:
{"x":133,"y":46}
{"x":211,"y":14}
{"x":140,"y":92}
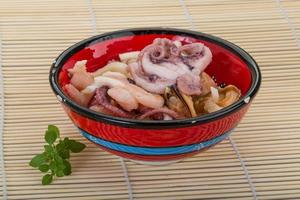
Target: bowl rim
{"x":155,"y":124}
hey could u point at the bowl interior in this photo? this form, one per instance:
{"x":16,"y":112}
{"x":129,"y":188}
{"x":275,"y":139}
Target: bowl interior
{"x":226,"y":66}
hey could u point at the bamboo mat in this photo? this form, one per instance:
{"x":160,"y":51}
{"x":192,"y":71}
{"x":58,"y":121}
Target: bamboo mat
{"x":261,"y":160}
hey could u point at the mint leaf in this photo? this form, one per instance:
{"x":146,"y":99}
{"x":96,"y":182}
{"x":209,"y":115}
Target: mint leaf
{"x":66,"y":141}
{"x":75,"y":146}
{"x":48,"y":149}
{"x":48,"y":152}
{"x":44,"y":168}
{"x":64,"y":153}
{"x":68,"y":169}
{"x":59,"y":173}
{"x":54,"y":160}
{"x":59,"y":166}
{"x":50,"y":136}
{"x":58,"y":160}
{"x":47,"y":179}
{"x":37,"y":160}
{"x":54,"y":129}
{"x":52,"y":166}
{"x":63,"y":150}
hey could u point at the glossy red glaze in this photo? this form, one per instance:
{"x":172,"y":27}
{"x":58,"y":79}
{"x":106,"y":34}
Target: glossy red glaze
{"x":157,"y":138}
{"x":226,"y":67}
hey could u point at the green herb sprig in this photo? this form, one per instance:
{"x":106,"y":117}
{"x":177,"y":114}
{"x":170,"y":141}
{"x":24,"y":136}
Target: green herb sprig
{"x":54,"y":161}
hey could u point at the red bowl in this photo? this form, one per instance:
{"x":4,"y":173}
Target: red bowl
{"x":157,"y":141}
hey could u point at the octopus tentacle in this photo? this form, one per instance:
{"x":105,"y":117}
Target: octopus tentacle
{"x":150,"y":82}
{"x":189,"y":84}
{"x":102,"y":99}
{"x":163,"y":63}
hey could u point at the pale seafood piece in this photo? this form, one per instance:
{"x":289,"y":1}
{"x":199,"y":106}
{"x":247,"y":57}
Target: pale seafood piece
{"x":112,"y":66}
{"x":79,"y":66}
{"x":116,"y":75}
{"x":158,"y":59}
{"x":189,"y":84}
{"x":77,"y":96}
{"x":102,"y":99}
{"x":206,"y":83}
{"x":126,"y":57}
{"x":131,"y":61}
{"x":100,"y":81}
{"x":150,"y":83}
{"x":192,"y":50}
{"x":145,"y":98}
{"x":81,"y":80}
{"x":117,"y":80}
{"x":124,"y":98}
{"x":156,"y":69}
{"x":162,"y":62}
{"x":180,"y":68}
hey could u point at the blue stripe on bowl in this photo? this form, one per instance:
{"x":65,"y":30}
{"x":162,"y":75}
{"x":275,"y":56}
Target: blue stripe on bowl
{"x":155,"y":150}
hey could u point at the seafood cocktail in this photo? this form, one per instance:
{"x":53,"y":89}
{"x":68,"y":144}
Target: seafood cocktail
{"x":155,"y":95}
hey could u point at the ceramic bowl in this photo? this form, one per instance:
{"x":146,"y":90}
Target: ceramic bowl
{"x":157,"y":142}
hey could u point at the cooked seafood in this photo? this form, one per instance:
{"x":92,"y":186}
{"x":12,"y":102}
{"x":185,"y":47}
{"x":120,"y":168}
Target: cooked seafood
{"x":79,"y":97}
{"x":175,"y":101}
{"x":163,"y":62}
{"x":113,"y":67}
{"x":162,"y":111}
{"x":163,"y":81}
{"x":220,"y":98}
{"x":103,"y":100}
